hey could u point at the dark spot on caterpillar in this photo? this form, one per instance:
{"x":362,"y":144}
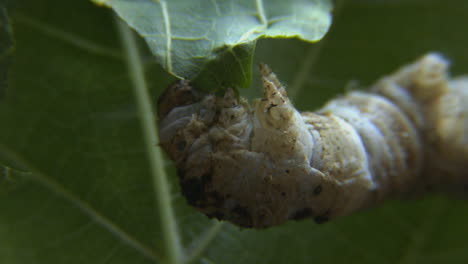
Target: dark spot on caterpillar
{"x":179,"y":93}
{"x":244,"y":218}
{"x":218,"y":215}
{"x":194,"y":189}
{"x":318,"y":190}
{"x":206,"y":177}
{"x":214,"y":199}
{"x":287,"y":171}
{"x":181,"y":145}
{"x":321,"y":219}
{"x":271,"y":106}
{"x":241,"y":211}
{"x":301,"y":214}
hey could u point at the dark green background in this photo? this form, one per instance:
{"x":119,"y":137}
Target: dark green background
{"x":69,"y":115}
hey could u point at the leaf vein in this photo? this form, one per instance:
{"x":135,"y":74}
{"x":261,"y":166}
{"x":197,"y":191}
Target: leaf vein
{"x":201,"y":244}
{"x":83,"y":206}
{"x":168,"y":35}
{"x":261,"y":12}
{"x":66,"y":37}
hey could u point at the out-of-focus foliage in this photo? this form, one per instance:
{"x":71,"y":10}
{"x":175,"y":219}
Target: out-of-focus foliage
{"x":6,"y":45}
{"x":74,"y":179}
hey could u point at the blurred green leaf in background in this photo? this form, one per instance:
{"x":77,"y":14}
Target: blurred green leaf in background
{"x":185,"y":35}
{"x":75,"y":181}
{"x":6,"y":45}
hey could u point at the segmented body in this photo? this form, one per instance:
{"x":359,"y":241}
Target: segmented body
{"x":260,"y":166}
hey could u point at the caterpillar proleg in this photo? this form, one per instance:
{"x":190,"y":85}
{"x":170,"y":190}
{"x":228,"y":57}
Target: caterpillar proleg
{"x":261,"y":165}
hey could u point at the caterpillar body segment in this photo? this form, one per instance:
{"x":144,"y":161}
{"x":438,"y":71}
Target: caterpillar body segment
{"x":261,"y":165}
{"x":437,"y":105}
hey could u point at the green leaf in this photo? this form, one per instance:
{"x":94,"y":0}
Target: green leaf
{"x":185,"y":35}
{"x":80,"y":188}
{"x":6,"y":46}
{"x":221,"y":72}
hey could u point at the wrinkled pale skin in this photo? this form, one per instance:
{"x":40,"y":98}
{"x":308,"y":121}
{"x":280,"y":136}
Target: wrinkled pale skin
{"x":261,"y":166}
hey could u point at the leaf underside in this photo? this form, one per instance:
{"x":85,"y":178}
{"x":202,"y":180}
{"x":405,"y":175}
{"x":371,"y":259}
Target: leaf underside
{"x":75,"y":185}
{"x":185,"y":35}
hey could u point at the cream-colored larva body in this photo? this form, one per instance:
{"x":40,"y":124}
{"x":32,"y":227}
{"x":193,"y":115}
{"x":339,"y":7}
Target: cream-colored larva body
{"x":260,"y":166}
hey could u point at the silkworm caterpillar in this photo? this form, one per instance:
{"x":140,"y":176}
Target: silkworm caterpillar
{"x":260,"y":166}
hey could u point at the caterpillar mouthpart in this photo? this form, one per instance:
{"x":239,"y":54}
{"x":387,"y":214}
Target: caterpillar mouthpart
{"x":260,"y":166}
